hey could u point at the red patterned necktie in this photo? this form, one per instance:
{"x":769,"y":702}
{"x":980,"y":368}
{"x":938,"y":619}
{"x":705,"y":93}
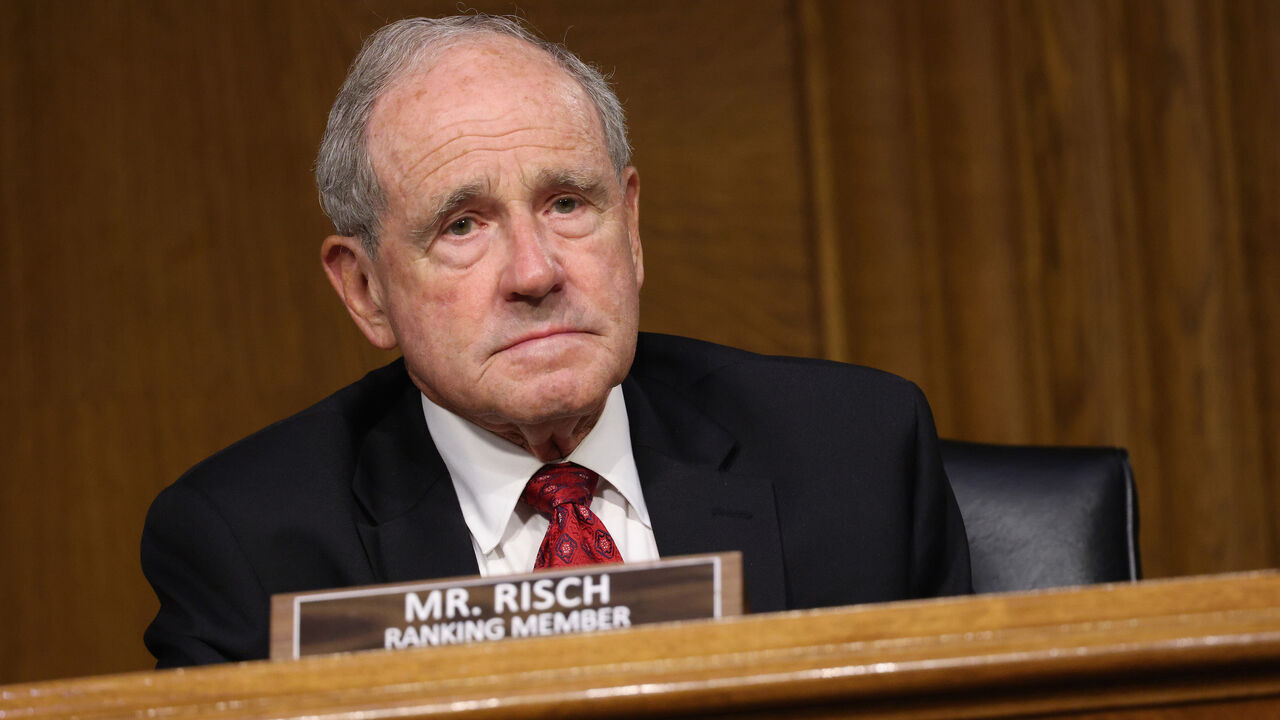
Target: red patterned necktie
{"x":562,"y":493}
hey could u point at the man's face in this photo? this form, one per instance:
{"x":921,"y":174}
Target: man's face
{"x":509,"y":263}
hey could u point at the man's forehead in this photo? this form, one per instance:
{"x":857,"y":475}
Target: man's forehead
{"x":491,"y":165}
{"x":479,"y":60}
{"x":477,"y":81}
{"x":489,"y":93}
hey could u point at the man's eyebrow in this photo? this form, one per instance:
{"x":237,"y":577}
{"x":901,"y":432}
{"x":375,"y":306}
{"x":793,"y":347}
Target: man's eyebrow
{"x":457,"y":198}
{"x":586,"y":183}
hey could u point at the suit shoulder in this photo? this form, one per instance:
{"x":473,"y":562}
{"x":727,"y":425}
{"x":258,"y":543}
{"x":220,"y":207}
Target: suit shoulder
{"x":318,"y":441}
{"x":683,"y":362}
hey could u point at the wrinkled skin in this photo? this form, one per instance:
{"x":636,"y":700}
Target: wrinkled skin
{"x":509,"y":265}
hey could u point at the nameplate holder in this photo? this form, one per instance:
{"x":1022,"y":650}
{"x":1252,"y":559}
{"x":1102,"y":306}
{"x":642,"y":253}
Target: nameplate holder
{"x":462,"y":610}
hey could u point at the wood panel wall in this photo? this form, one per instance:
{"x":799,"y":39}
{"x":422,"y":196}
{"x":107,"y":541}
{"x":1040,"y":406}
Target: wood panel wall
{"x":1058,"y":217}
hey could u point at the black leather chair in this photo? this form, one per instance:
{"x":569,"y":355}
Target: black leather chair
{"x":1040,"y":517}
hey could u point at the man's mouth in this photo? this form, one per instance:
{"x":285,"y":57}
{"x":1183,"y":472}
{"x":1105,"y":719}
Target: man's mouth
{"x":536,"y":335}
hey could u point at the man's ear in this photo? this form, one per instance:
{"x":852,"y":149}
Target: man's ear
{"x":631,"y":203}
{"x":350,"y":272}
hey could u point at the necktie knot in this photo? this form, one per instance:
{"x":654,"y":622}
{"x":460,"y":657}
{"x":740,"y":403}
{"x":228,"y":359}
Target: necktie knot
{"x":575,"y":536}
{"x":556,"y":485}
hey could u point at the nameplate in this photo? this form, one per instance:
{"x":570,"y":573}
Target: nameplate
{"x":462,"y":610}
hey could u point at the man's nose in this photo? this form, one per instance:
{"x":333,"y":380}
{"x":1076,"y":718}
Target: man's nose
{"x":533,"y":267}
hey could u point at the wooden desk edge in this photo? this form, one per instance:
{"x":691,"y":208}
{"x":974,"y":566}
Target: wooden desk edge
{"x":1153,"y":642}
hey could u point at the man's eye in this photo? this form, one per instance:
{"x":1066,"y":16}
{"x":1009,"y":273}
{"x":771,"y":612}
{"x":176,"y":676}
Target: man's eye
{"x":565,"y":205}
{"x":462,"y":226}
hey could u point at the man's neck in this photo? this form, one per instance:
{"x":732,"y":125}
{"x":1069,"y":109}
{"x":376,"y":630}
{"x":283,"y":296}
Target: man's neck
{"x":549,"y":441}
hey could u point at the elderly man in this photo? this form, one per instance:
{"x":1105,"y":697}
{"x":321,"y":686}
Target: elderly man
{"x":488,"y":227}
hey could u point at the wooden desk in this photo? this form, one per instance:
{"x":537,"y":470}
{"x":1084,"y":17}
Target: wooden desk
{"x":1186,"y":648}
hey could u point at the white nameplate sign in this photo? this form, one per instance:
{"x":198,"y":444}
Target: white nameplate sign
{"x":475,"y":609}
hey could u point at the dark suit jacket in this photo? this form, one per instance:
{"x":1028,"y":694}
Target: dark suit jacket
{"x":826,"y":476}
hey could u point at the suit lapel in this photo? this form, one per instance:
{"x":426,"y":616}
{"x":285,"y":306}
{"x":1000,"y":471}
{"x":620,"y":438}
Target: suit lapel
{"x":698,"y":502}
{"x":416,"y":529}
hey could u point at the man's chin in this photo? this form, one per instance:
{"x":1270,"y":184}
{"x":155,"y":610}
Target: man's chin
{"x":552,"y":398}
{"x":554,"y":409}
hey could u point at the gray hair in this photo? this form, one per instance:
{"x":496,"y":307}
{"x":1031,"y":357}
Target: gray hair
{"x":349,"y":189}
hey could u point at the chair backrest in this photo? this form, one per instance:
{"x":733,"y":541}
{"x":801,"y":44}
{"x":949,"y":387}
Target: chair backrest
{"x":1040,"y":517}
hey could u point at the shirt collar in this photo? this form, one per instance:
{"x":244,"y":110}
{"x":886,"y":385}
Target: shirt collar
{"x":490,"y":472}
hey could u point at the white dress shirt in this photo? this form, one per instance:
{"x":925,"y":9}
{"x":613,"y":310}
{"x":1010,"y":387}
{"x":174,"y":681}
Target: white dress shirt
{"x":489,"y":473}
